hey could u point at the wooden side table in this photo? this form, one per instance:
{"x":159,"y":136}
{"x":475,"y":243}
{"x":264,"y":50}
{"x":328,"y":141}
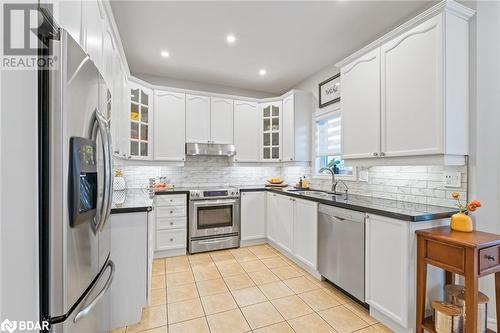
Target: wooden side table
{"x":470,"y":254}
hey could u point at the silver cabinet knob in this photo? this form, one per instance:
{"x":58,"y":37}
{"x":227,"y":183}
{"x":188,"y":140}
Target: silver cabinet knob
{"x":171,"y":223}
{"x":382,"y":154}
{"x":171,"y":212}
{"x":171,"y":239}
{"x":375,"y":154}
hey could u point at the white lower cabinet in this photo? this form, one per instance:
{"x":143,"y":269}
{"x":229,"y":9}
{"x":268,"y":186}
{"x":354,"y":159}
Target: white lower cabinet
{"x":253,"y":217}
{"x":292,"y":226}
{"x":171,"y":225}
{"x":130,"y":243}
{"x":305,"y":231}
{"x":390,"y":271}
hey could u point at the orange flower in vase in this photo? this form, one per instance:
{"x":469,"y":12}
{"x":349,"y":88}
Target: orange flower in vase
{"x":461,"y":221}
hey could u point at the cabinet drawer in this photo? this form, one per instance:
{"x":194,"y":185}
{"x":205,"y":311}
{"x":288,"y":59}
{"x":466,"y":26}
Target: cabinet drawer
{"x":170,"y":239}
{"x":171,"y":200}
{"x":454,"y":256}
{"x":174,"y":211}
{"x":488,"y":258}
{"x":170,"y":223}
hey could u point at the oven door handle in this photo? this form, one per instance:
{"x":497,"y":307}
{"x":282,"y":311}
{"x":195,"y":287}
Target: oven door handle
{"x":214,"y":241}
{"x":208,"y":203}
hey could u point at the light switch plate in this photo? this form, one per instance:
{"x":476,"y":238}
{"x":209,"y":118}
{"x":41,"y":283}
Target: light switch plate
{"x":363,"y":175}
{"x":452,"y":179}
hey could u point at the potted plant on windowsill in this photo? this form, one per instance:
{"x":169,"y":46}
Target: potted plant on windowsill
{"x":461,"y":221}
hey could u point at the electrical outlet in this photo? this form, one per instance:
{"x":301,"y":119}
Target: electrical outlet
{"x":452,"y":179}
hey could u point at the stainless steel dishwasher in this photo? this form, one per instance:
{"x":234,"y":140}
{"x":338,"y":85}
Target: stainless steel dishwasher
{"x":341,"y":245}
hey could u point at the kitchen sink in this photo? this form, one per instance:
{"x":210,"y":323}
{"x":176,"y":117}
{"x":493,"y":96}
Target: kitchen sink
{"x":316,"y":194}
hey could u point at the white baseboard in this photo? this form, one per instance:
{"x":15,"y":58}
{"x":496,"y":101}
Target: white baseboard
{"x":169,"y":253}
{"x":492,"y":323}
{"x":253,"y":241}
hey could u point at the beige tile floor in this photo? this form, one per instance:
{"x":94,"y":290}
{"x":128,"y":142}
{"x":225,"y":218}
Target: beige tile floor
{"x":252,"y":289}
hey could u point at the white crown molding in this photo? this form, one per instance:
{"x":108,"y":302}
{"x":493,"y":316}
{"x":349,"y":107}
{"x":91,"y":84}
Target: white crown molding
{"x":146,"y":84}
{"x":449,"y":6}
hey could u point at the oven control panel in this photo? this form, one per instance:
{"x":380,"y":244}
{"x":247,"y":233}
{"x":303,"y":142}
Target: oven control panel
{"x":214,"y":194}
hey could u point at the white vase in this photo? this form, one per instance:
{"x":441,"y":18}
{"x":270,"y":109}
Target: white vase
{"x":119,"y":184}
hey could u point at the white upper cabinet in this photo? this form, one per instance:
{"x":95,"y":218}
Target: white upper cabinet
{"x":288,"y":129}
{"x":247,"y":131}
{"x":68,"y":15}
{"x":197,"y":119}
{"x":141,"y":120}
{"x":271,"y":131}
{"x":360,"y":107}
{"x":94,"y":18}
{"x":169,"y":126}
{"x":409,"y":96}
{"x":296,"y":129}
{"x":221,"y":120}
{"x":412,"y":92}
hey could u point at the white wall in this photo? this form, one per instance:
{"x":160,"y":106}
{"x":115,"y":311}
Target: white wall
{"x":485,"y":125}
{"x":201,"y":86}
{"x":19,"y":196}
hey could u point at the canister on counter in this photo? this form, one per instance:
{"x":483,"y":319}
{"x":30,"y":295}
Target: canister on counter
{"x":482,"y":309}
{"x":447,"y":317}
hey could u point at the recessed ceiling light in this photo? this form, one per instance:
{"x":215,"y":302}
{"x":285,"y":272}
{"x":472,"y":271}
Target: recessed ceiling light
{"x":262,"y":72}
{"x":165,"y":54}
{"x":231,"y":38}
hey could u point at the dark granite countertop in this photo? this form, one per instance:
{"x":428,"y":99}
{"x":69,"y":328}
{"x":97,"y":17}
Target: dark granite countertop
{"x":400,"y":210}
{"x":132,"y":200}
{"x":136,"y":200}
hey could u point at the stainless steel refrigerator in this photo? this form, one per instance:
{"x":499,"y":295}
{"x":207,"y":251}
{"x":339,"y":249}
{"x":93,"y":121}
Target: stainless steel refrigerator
{"x":75,"y":189}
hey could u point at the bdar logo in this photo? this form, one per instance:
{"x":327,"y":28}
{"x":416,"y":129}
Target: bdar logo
{"x":8,"y":326}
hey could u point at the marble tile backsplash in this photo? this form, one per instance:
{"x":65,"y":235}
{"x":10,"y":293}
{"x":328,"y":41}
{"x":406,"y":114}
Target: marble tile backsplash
{"x":197,"y":171}
{"x":418,"y":184}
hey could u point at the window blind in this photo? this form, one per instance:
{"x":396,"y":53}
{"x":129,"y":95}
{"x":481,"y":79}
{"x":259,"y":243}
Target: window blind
{"x":328,"y":135}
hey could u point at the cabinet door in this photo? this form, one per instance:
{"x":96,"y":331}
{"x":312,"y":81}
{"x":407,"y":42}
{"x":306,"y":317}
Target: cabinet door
{"x":288,"y":129}
{"x":360,"y":107}
{"x":221,"y":120}
{"x":271,"y":131}
{"x":246,"y":131}
{"x":170,"y":126}
{"x":412,"y":92}
{"x":272,"y":216}
{"x":129,"y":252}
{"x":387,"y":267}
{"x":141,"y":100}
{"x":68,"y":15}
{"x":305,"y":231}
{"x":94,"y":21}
{"x":253,"y":215}
{"x":284,"y":226}
{"x":197,"y":119}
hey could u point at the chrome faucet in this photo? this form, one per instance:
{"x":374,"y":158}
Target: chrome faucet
{"x":334,"y":182}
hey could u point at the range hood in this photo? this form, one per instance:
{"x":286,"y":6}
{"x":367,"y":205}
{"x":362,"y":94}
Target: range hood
{"x":209,"y":149}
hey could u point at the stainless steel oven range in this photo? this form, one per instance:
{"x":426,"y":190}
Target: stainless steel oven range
{"x":214,"y":219}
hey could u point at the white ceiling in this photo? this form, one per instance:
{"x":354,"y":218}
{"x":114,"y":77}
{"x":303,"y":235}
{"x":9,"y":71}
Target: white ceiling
{"x":291,"y":40}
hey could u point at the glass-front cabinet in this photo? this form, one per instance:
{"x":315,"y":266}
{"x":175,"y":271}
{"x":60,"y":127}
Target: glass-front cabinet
{"x":271,"y":131}
{"x":140,"y":115}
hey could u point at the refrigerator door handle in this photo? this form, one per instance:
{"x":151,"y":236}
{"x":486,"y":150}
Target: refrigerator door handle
{"x":109,"y":188}
{"x":99,"y":127}
{"x":86,"y":310}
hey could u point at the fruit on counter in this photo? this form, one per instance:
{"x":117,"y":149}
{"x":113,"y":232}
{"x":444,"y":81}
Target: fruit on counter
{"x":275,"y":180}
{"x":160,"y":186}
